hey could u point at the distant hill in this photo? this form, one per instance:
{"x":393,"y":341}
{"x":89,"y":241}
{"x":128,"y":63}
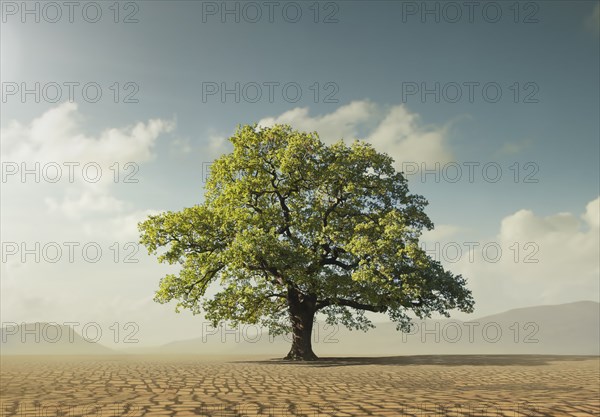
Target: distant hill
{"x":564,"y":329}
{"x":571,"y":329}
{"x":47,"y":339}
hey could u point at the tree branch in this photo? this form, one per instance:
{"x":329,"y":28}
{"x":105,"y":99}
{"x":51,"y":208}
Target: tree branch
{"x":351,"y":303}
{"x":334,"y":261}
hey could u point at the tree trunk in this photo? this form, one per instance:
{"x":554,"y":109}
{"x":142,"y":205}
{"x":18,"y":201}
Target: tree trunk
{"x":302,"y":314}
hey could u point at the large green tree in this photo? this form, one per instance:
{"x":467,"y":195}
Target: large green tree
{"x":291,"y":227}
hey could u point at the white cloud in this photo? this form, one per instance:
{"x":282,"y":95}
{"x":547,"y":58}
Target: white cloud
{"x":395,"y":130}
{"x":401,"y":136}
{"x":592,"y":213}
{"x":545,"y":260}
{"x":56,"y":137}
{"x":84,"y":165}
{"x":342,"y":123}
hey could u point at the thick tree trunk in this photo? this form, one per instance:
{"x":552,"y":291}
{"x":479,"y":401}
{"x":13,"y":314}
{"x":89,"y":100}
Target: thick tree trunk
{"x":302,"y":314}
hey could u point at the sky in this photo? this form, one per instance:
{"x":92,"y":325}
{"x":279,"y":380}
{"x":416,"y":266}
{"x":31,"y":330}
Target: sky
{"x":490,"y":110}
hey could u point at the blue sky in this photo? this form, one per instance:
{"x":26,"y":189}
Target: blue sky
{"x":374,"y":53}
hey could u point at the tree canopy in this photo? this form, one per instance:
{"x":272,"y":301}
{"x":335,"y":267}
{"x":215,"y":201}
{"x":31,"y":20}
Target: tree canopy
{"x":291,"y":227}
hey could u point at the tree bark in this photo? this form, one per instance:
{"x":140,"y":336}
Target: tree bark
{"x":302,"y":311}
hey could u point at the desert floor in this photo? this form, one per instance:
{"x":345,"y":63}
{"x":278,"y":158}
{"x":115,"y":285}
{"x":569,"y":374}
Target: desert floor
{"x":469,"y":385}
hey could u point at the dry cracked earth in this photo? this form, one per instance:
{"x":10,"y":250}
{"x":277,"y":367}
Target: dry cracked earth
{"x":136,"y":386}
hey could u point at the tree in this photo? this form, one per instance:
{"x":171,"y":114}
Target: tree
{"x":291,"y":227}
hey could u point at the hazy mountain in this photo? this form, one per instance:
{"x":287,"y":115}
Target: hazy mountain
{"x":555,"y":329}
{"x":47,"y":339}
{"x":572,"y":329}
